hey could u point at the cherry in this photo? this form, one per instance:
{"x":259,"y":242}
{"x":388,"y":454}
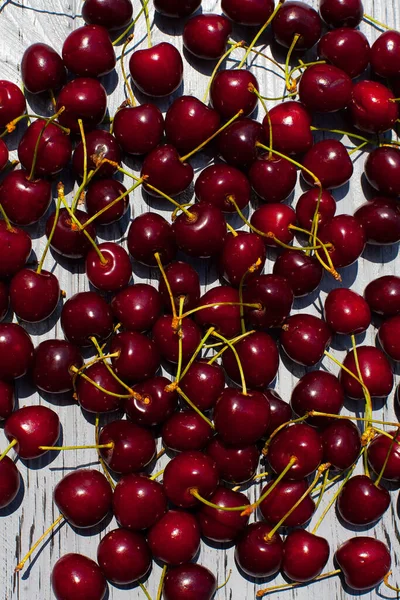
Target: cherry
{"x":100,"y":194}
{"x":379,"y":449}
{"x":304,"y":555}
{"x":24,"y":201}
{"x":257,"y":555}
{"x":88,"y":52}
{"x":361,"y":502}
{"x":364,"y":562}
{"x":184,"y":282}
{"x":383,"y":295}
{"x":189,"y":123}
{"x":291,"y":127}
{"x":382,"y":169}
{"x":84,"y":315}
{"x":7,"y":399}
{"x":164,"y":170}
{"x":225,"y":319}
{"x":248,"y":12}
{"x":259,"y":357}
{"x":156,"y":405}
{"x":9,"y":481}
{"x":111,"y":14}
{"x":75,"y":576}
{"x":341,"y":441}
{"x":346,"y":48}
{"x":220,"y":525}
{"x":380,"y":219}
{"x":138,"y":502}
{"x":150,"y":233}
{"x":235,"y":465}
{"x":272,"y":178}
{"x":297,"y":18}
{"x":176,"y":8}
{"x":92,"y":399}
{"x":53,"y":153}
{"x":307,"y":205}
{"x":385,"y":54}
{"x":51,"y":371}
{"x":299,"y":440}
{"x":304,"y":338}
{"x":341,"y":13}
{"x":231,"y":92}
{"x":348,"y":239}
{"x":274,"y":219}
{"x":34,"y":296}
{"x":330,"y":162}
{"x":4,"y":299}
{"x":134,"y":447}
{"x":157,"y":71}
{"x":42,"y":69}
{"x":32,"y":427}
{"x":325,"y":88}
{"x":186,"y":430}
{"x":346,"y":312}
{"x":166,"y":338}
{"x":188,"y":471}
{"x":4,"y":155}
{"x":282,"y":498}
{"x":83,"y":98}
{"x":237,"y":144}
{"x":13,"y":103}
{"x":217,"y":183}
{"x":203,"y":384}
{"x":16,"y":351}
{"x":113,"y":274}
{"x":389,"y":337}
{"x":68,"y":240}
{"x":15,"y":248}
{"x":203,"y":233}
{"x":138,"y":357}
{"x":375,"y":370}
{"x":123,"y":556}
{"x":372,"y":108}
{"x":240,"y":253}
{"x":275,"y":296}
{"x":205,"y":36}
{"x":241,"y":419}
{"x":137,"y":307}
{"x":175,"y":538}
{"x":319,"y":391}
{"x":302,"y":272}
{"x":280,"y":411}
{"x":84,"y":497}
{"x":99,"y":144}
{"x":138,"y":129}
{"x":191,"y":581}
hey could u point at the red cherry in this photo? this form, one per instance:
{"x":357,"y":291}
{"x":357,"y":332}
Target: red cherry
{"x":379,"y":449}
{"x":7,"y":399}
{"x":296,"y":18}
{"x":15,"y":248}
{"x":76,"y":576}
{"x":134,"y":447}
{"x":341,"y":441}
{"x":382,"y":169}
{"x":325,"y":88}
{"x":272,"y":178}
{"x":4,"y":154}
{"x":364,"y":562}
{"x":138,"y":357}
{"x":291,"y":127}
{"x":166,"y":338}
{"x":10,"y":481}
{"x":165,"y":171}
{"x":330,"y":162}
{"x":189,"y":123}
{"x":372,"y":108}
{"x":281,"y":411}
{"x":176,"y":8}
{"x":157,"y":71}
{"x":256,"y":554}
{"x":150,"y":233}
{"x":225,"y":319}
{"x":375,"y":370}
{"x":123,"y":556}
{"x":274,"y":219}
{"x":188,"y":471}
{"x":156,"y":405}
{"x":34,"y":296}
{"x":16,"y":351}
{"x":231,"y":92}
{"x":220,"y":525}
{"x":319,"y":391}
{"x":32,"y":427}
{"x":304,"y":555}
{"x":341,"y":13}
{"x":385,"y":54}
{"x":348,"y":239}
{"x":307,"y":204}
{"x":282,"y":499}
{"x":237,"y":144}
{"x":92,"y":399}
{"x":84,"y":315}
{"x":248,"y":12}
{"x":175,"y":538}
{"x":186,"y":430}
{"x":301,"y":441}
{"x":302,"y":272}
{"x":205,"y":36}
{"x":184,"y":282}
{"x":53,"y":153}
{"x":241,"y":419}
{"x":68,"y":240}
{"x":111,"y":14}
{"x":235,"y":465}
{"x":13,"y":103}
{"x":88,"y":52}
{"x":305,"y":338}
{"x":138,"y":129}
{"x":98,"y":143}
{"x":42,"y":69}
{"x":203,"y":384}
{"x":51,"y":371}
{"x":348,"y":49}
{"x":239,"y":253}
{"x":83,"y":98}
{"x":259,"y":357}
{"x":346,"y":312}
{"x":137,"y":307}
{"x":383,"y":295}
{"x":275,"y":296}
{"x":100,"y":194}
{"x":115,"y":273}
{"x":203,"y":234}
{"x":389,"y":337}
{"x":217,"y":183}
{"x":192,"y":581}
{"x":138,"y":502}
{"x":380,"y":219}
{"x":24,"y":201}
{"x":361,"y":502}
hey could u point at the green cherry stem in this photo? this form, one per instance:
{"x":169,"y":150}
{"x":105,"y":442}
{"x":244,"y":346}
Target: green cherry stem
{"x":6,"y":219}
{"x":145,"y":4}
{"x":101,"y":460}
{"x":21,"y":564}
{"x":39,"y":139}
{"x":179,"y":333}
{"x":392,"y":443}
{"x":85,"y":156}
{"x":161,"y":585}
{"x":290,"y":86}
{"x":188,"y":401}
{"x":259,"y":34}
{"x":236,"y":355}
{"x":322,"y":489}
{"x":370,"y":19}
{"x":113,"y":203}
{"x":167,"y":285}
{"x":130,"y":26}
{"x":209,"y":332}
{"x":270,"y":131}
{"x":288,"y":586}
{"x":232,"y":341}
{"x":131,"y":99}
{"x":60,"y":191}
{"x":249,"y":271}
{"x":278,"y":429}
{"x":145,"y":592}
{"x":217,"y":66}
{"x":7,"y":450}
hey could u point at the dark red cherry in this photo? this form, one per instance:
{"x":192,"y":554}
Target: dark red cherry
{"x":272,"y":178}
{"x":379,"y":449}
{"x":320,"y":391}
{"x":51,"y":371}
{"x":205,"y":36}
{"x":175,"y":538}
{"x":84,"y":315}
{"x":4,"y":299}
{"x":375,"y":370}
{"x":137,"y":307}
{"x":237,"y":144}
{"x":113,"y":274}
{"x":220,"y":525}
{"x":341,"y":13}
{"x":225,"y":319}
{"x":330,"y":162}
{"x":138,"y":358}
{"x":361,"y":502}
{"x":325,"y":88}
{"x":24,"y":201}
{"x":307,"y":205}
{"x":345,"y":48}
{"x":241,"y":419}
{"x":275,"y":296}
{"x":300,"y":441}
{"x":4,"y":155}
{"x":189,"y":123}
{"x":348,"y":239}
{"x":231,"y":92}
{"x":203,"y":384}
{"x":138,"y":129}
{"x":150,"y":233}
{"x":235,"y":465}
{"x":302,"y":272}
{"x":248,"y":12}
{"x":385,"y":55}
{"x":382,"y":170}
{"x":383,"y":295}
{"x":184,"y":282}
{"x":84,"y":497}
{"x":240,"y":253}
{"x":191,"y":581}
{"x":157,"y":71}
{"x":188,"y":471}
{"x":111,"y":14}
{"x":341,"y":441}
{"x":256,"y":554}
{"x":274,"y":219}
{"x":34,"y":296}
{"x":138,"y":502}
{"x":123,"y":556}
{"x":165,"y":171}
{"x":53,"y":153}
{"x":83,"y":98}
{"x":88,"y":52}
{"x":156,"y":404}
{"x":259,"y":358}
{"x":304,"y":555}
{"x":10,"y":481}
{"x":7,"y":399}
{"x":291,"y":127}
{"x":346,"y":312}
{"x":16,"y":351}
{"x":166,"y":338}
{"x":92,"y":399}
{"x":201,"y":235}
{"x":176,"y":8}
{"x":134,"y":447}
{"x":15,"y":249}
{"x":297,"y":18}
{"x":281,"y":411}
{"x":364,"y":562}
{"x":13,"y":102}
{"x":380,"y":219}
{"x":99,"y":144}
{"x":68,"y":240}
{"x":372,"y":108}
{"x":186,"y":430}
{"x":76,"y":576}
{"x":217,"y":183}
{"x":305,"y":339}
{"x":42,"y":69}
{"x":282,"y":499}
{"x":32,"y":427}
{"x":389,"y":338}
{"x":99,"y":196}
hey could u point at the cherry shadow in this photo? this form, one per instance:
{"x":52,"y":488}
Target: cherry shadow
{"x":16,"y":503}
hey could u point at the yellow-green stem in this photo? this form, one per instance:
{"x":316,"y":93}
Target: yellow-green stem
{"x":288,"y":586}
{"x":289,"y":85}
{"x":379,"y":478}
{"x":127,"y":30}
{"x":232,"y":341}
{"x":145,"y":4}
{"x":375,"y":22}
{"x":21,"y":564}
{"x":196,"y":352}
{"x":236,"y":355}
{"x":179,"y":333}
{"x":39,"y":139}
{"x":259,"y":33}
{"x":7,"y":450}
{"x":132,"y":101}
{"x":217,"y":66}
{"x":101,"y":460}
{"x":167,"y":284}
{"x":53,"y":228}
{"x":194,"y":407}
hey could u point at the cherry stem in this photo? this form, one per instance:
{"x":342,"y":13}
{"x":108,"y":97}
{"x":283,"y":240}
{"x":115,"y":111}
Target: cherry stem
{"x":356,"y":136}
{"x":39,"y":139}
{"x":85,"y":157}
{"x":145,"y":592}
{"x":217,"y":66}
{"x":232,"y":341}
{"x":53,"y":99}
{"x":305,"y":66}
{"x":249,"y":271}
{"x":7,"y":450}
{"x":316,"y":413}
{"x":11,"y":126}
{"x":194,"y":407}
{"x":214,"y":304}
{"x":60,"y":188}
{"x":233,"y":43}
{"x":167,"y":284}
{"x":322,"y":488}
{"x":131,"y":100}
{"x":110,"y":445}
{"x":127,"y":30}
{"x":145,"y":4}
{"x":277,"y":241}
{"x":388,"y":585}
{"x":21,"y":564}
{"x":288,"y":586}
{"x":97,"y":386}
{"x":179,"y":333}
{"x":268,"y":99}
{"x":368,"y":401}
{"x":357,"y":148}
{"x":232,"y":230}
{"x":392,"y":443}
{"x":196,"y":352}
{"x":161,"y":585}
{"x":101,"y":460}
{"x":6,"y":219}
{"x":113,"y":203}
{"x":329,"y":267}
{"x":253,"y":480}
{"x":375,"y":22}
{"x":261,"y":99}
{"x":225,"y":582}
{"x":160,"y":454}
{"x":236,"y":355}
{"x":290,"y":86}
{"x":156,"y":475}
{"x":278,"y":429}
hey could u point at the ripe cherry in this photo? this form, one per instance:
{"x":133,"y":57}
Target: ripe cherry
{"x":138,"y":129}
{"x":92,"y":399}
{"x":361,"y":502}
{"x":297,"y":18}
{"x":257,"y":555}
{"x":114,"y":273}
{"x":166,"y":338}
{"x":364,"y":562}
{"x":175,"y":538}
{"x":330,"y":162}
{"x":325,"y":88}
{"x":7,"y":399}
{"x":32,"y":427}
{"x":319,"y":391}
{"x":24,"y":201}
{"x":68,"y":240}
{"x":282,"y":498}
{"x":150,"y":233}
{"x":259,"y":358}
{"x":300,"y":441}
{"x":304,"y":555}
{"x":192,"y":580}
{"x":341,"y":13}
{"x":225,"y":319}
{"x":53,"y":361}
{"x":302,"y":272}
{"x":156,"y":405}
{"x":348,"y":239}
{"x":220,"y":525}
{"x":74,"y":576}
{"x":176,"y":8}
{"x":388,"y":335}
{"x":123,"y":556}
{"x":190,"y":471}
{"x":16,"y":351}
{"x":275,"y":296}
{"x":99,"y":143}
{"x":88,"y":52}
{"x":42,"y":69}
{"x":137,"y":307}
{"x":15,"y":248}
{"x":184,"y":282}
{"x":385,"y":55}
{"x":281,"y":411}
{"x":383,"y":295}
{"x":186,"y":430}
{"x":241,"y":419}
{"x":341,"y":441}
{"x":84,"y":315}
{"x":382,"y":169}
{"x":237,"y":144}
{"x":379,"y":449}
{"x":34,"y":296}
{"x":375,"y":370}
{"x":10,"y":481}
{"x":217,"y":183}
{"x":240,"y":253}
{"x":235,"y":465}
{"x":272,"y":178}
{"x":346,"y":312}
{"x":346,"y":48}
{"x":13,"y":103}
{"x":307,"y":205}
{"x":53,"y":153}
{"x":372,"y":107}
{"x":111,"y":14}
{"x":248,"y":12}
{"x":138,"y":502}
{"x":274,"y":220}
{"x":134,"y":447}
{"x":4,"y":155}
{"x":138,"y":357}
{"x":231,"y":92}
{"x":189,"y":123}
{"x":380,"y":219}
{"x":100,"y":194}
{"x":291,"y":127}
{"x":206,"y":35}
{"x":165,"y":171}
{"x":203,"y":383}
{"x":203,"y":233}
{"x":83,"y":98}
{"x":305,"y":338}
{"x":157,"y":71}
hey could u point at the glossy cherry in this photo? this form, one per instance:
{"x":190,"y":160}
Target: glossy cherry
{"x":166,"y":338}
{"x":112,"y":275}
{"x":83,"y":98}
{"x":184,"y":282}
{"x":68,"y":240}
{"x":361,"y":502}
{"x":202,"y":235}
{"x":231,"y":92}
{"x":257,"y":555}
{"x":320,"y":391}
{"x":305,"y":338}
{"x":32,"y":427}
{"x":16,"y":351}
{"x":302,"y":272}
{"x":220,"y":525}
{"x":176,"y":8}
{"x":123,"y":556}
{"x":84,"y":315}
{"x":99,"y":144}
{"x":54,"y":150}
{"x":237,"y":144}
{"x":240,"y":253}
{"x":385,"y":55}
{"x":307,"y":205}
{"x":175,"y":538}
{"x":4,"y":155}
{"x":10,"y":481}
{"x":259,"y":357}
{"x":189,"y":123}
{"x":138,"y":129}
{"x":345,"y":48}
{"x":382,"y":169}
{"x":364,"y":562}
{"x":76,"y":576}
{"x":165,"y":171}
{"x":88,"y":52}
{"x":378,"y":450}
{"x":282,"y":499}
{"x":34,"y":296}
{"x":92,"y":399}
{"x":346,"y":312}
{"x":186,"y":430}
{"x":274,"y":220}
{"x":281,"y":411}
{"x":248,"y":12}
{"x":388,"y":335}
{"x":235,"y":465}
{"x":325,"y":88}
{"x":15,"y":248}
{"x":341,"y":441}
{"x":203,"y":384}
{"x":341,"y":13}
{"x":217,"y":183}
{"x":150,"y":233}
{"x":275,"y":296}
{"x":111,"y":14}
{"x":348,"y":239}
{"x":13,"y":102}
{"x":241,"y":419}
{"x":192,"y":581}
{"x":206,"y":35}
{"x":186,"y":472}
{"x":372,"y":108}
{"x":137,"y":307}
{"x":380,"y":219}
{"x":138,"y":502}
{"x":297,"y":18}
{"x":225,"y":319}
{"x":383,"y":295}
{"x":375,"y":370}
{"x":156,"y":405}
{"x":157,"y":71}
{"x":291,"y":127}
{"x":301,"y":441}
{"x":100,"y":194}
{"x":7,"y":399}
{"x":138,"y":357}
{"x":134,"y":447}
{"x":42,"y":69}
{"x":304,"y":555}
{"x":24,"y":201}
{"x":330,"y":162}
{"x":272,"y":178}
{"x":51,"y":370}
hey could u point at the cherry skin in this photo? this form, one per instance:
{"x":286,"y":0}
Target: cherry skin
{"x":361,"y":502}
{"x":257,"y":555}
{"x":319,"y":391}
{"x":305,"y":339}
{"x":15,"y":248}
{"x":388,"y":337}
{"x":382,"y":169}
{"x":225,"y":319}
{"x":176,"y":8}
{"x":157,"y":71}
{"x":24,"y":201}
{"x":341,"y":13}
{"x":341,"y":441}
{"x":92,"y":399}
{"x":115,"y":273}
{"x":383,"y":295}
{"x":203,"y":384}
{"x":385,"y":55}
{"x":137,"y":307}
{"x":205,"y":36}
{"x":32,"y":427}
{"x":330,"y":162}
{"x":186,"y":430}
{"x":138,"y":129}
{"x":297,"y":18}
{"x":220,"y":525}
{"x":231,"y":92}
{"x":175,"y":538}
{"x":364,"y":562}
{"x":84,"y":315}
{"x":184,"y":282}
{"x":111,"y":14}
{"x":272,"y":178}
{"x":372,"y":108}
{"x":325,"y":88}
{"x":241,"y":419}
{"x":282,"y":499}
{"x":235,"y":465}
{"x":240,"y":253}
{"x":237,"y":144}
{"x":83,"y":98}
{"x":4,"y":154}
{"x":150,"y":233}
{"x":375,"y":370}
{"x":134,"y":447}
{"x":291,"y":127}
{"x":304,"y":555}
{"x":345,"y":48}
{"x":123,"y":556}
{"x":156,"y":405}
{"x":166,"y":338}
{"x":16,"y":351}
{"x":138,"y":502}
{"x":75,"y":576}
{"x":346,"y":312}
{"x":10,"y":481}
{"x":248,"y":12}
{"x":98,"y":143}
{"x":68,"y":240}
{"x":201,"y":235}
{"x":281,"y":411}
{"x":380,"y":219}
{"x":165,"y":171}
{"x":13,"y":103}
{"x":7,"y":399}
{"x":51,"y":371}
{"x":191,"y":581}
{"x":42,"y":69}
{"x":348,"y":239}
{"x":189,"y":123}
{"x":378,"y":450}
{"x":188,"y":471}
{"x":100,"y":194}
{"x":4,"y":300}
{"x":34,"y":296}
{"x":54,"y":150}
{"x":274,"y":220}
{"x":138,"y":357}
{"x":299,"y":440}
{"x":303,"y":273}
{"x":88,"y":52}
{"x":217,"y":183}
{"x":275,"y":296}
{"x":259,"y":357}
{"x":307,"y":205}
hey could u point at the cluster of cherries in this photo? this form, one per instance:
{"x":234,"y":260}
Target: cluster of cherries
{"x":218,"y":415}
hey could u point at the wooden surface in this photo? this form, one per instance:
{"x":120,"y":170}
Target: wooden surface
{"x":21,"y":24}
